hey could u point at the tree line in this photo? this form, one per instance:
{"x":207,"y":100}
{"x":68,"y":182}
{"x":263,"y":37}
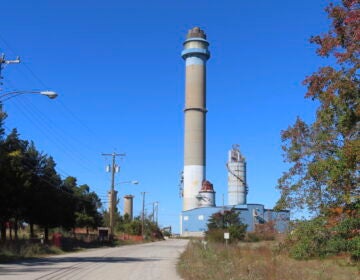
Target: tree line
{"x":32,"y":192}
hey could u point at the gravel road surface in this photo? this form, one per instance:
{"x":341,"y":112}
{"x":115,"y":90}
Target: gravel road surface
{"x":155,"y":260}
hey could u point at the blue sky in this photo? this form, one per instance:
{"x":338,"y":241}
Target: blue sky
{"x":118,"y":71}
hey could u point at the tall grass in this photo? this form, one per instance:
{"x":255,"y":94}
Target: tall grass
{"x":22,"y":249}
{"x":257,"y":261}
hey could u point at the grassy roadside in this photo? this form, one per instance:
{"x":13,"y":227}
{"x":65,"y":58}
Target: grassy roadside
{"x":24,"y":249}
{"x":13,"y":251}
{"x":258,"y":261}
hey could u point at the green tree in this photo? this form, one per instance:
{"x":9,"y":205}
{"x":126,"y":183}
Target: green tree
{"x":3,"y":158}
{"x":31,"y":190}
{"x":325,"y":155}
{"x":134,"y":227}
{"x":225,"y":221}
{"x":82,"y":205}
{"x":13,"y":180}
{"x":34,"y":162}
{"x":88,"y":203}
{"x":50,"y":210}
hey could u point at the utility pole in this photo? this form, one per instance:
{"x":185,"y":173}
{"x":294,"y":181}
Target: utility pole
{"x":114,"y":169}
{"x":143,"y":214}
{"x":3,"y":62}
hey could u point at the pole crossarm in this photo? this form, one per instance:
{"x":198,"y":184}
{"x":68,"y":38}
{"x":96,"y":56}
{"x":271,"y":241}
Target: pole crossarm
{"x":3,"y":62}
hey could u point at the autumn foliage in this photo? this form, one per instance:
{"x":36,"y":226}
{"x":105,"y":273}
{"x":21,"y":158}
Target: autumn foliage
{"x":325,"y":155}
{"x":324,"y":176}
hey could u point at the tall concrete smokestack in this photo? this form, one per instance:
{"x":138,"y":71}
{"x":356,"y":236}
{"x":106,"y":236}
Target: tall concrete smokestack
{"x":195,"y":54}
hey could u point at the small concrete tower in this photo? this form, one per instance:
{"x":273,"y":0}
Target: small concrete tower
{"x":206,"y":195}
{"x":128,"y":205}
{"x":237,"y":187}
{"x":195,"y":54}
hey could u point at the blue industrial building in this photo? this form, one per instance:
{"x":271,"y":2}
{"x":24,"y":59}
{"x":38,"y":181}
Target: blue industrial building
{"x":194,"y":221}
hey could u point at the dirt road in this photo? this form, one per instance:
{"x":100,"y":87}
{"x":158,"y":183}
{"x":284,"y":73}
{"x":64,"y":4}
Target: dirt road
{"x":155,"y":260}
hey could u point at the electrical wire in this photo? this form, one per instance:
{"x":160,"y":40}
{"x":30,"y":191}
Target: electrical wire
{"x":49,"y":131}
{"x":62,"y":176}
{"x":46,"y":128}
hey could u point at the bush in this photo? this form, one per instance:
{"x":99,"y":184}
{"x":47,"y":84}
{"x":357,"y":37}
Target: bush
{"x":225,"y":221}
{"x":236,"y":232}
{"x":315,"y":238}
{"x":252,"y":237}
{"x":309,"y":239}
{"x":264,"y":231}
{"x":21,"y":249}
{"x":215,"y":235}
{"x":353,"y":246}
{"x":134,"y":227}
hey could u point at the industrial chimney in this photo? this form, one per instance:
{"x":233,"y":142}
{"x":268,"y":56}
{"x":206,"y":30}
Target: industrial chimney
{"x":195,"y":54}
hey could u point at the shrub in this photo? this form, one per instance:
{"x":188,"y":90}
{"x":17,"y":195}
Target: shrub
{"x":252,"y":237}
{"x":309,"y":239}
{"x":134,"y":227}
{"x":354,"y":247}
{"x":215,"y":235}
{"x":225,"y":221}
{"x":315,"y":238}
{"x":264,"y":231}
{"x":237,"y":232}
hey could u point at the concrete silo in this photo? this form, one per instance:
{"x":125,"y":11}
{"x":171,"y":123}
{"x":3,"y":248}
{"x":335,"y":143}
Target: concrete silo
{"x":128,"y":205}
{"x":237,"y":187}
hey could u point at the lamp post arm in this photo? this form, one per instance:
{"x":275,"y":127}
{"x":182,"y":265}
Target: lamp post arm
{"x":12,"y":94}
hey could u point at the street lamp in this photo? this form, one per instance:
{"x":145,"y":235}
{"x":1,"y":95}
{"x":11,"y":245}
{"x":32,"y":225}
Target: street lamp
{"x":12,"y":94}
{"x":134,"y":182}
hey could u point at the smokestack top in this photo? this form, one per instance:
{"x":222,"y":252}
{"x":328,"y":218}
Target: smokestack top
{"x":196,"y":32}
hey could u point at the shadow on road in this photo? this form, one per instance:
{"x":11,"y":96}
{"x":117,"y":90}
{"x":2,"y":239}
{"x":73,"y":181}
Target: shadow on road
{"x":46,"y":264}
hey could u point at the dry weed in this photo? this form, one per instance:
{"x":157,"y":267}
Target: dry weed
{"x":257,"y":261}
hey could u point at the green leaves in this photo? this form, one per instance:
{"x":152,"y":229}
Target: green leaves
{"x":324,"y":155}
{"x":324,"y":176}
{"x":32,"y":191}
{"x":229,"y":221}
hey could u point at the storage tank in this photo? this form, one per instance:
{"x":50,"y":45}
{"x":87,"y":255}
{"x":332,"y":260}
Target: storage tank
{"x":206,"y":196}
{"x":237,"y":187}
{"x":128,"y":205}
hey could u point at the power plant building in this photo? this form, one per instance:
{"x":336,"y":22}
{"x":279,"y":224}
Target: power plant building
{"x":198,"y":193}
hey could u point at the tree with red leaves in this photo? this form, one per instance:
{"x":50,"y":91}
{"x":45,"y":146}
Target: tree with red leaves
{"x":325,"y":155}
